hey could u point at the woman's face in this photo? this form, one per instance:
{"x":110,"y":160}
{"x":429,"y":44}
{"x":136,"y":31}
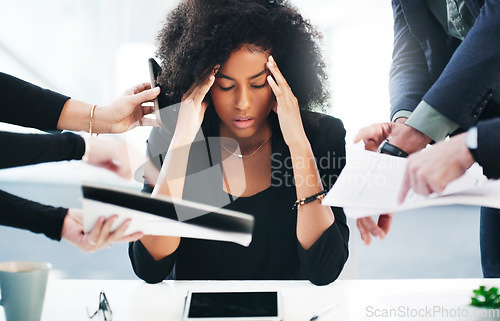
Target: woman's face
{"x":241,"y":94}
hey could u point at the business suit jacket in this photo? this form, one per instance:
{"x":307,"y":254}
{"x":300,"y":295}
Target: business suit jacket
{"x":455,"y":77}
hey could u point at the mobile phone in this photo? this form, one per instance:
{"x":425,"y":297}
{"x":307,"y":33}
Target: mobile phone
{"x":159,"y":104}
{"x":225,"y":306}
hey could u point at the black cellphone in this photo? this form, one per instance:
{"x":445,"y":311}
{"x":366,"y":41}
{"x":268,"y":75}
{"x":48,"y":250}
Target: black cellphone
{"x":159,"y":102}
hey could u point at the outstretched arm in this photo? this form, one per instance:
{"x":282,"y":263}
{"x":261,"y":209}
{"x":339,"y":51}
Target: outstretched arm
{"x":124,"y":113}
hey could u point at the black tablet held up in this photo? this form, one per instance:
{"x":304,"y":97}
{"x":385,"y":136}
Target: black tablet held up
{"x":225,"y":306}
{"x":164,"y":215}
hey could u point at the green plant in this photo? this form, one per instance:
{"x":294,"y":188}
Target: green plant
{"x":486,"y":298}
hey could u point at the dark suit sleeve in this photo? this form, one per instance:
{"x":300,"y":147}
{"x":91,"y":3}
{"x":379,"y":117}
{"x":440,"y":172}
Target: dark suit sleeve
{"x":32,"y":216}
{"x":488,"y":152}
{"x":409,"y":77}
{"x":27,"y":149}
{"x":28,"y":105}
{"x":324,"y":260}
{"x":464,"y":87}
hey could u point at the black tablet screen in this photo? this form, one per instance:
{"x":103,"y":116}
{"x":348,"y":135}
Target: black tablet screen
{"x":233,"y":304}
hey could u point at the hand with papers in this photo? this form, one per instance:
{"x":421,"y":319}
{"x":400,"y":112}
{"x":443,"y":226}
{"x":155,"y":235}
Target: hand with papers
{"x":431,"y":170}
{"x":370,"y":185}
{"x":404,"y":137}
{"x":99,"y":235}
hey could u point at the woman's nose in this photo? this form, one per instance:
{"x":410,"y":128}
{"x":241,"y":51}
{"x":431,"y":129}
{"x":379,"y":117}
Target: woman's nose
{"x":243,"y":99}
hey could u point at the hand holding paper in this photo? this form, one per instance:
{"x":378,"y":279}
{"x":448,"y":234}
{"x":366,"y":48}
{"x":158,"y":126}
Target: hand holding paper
{"x":431,"y":170}
{"x":370,"y":183}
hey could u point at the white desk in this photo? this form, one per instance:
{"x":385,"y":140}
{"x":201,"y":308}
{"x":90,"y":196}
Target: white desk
{"x":357,"y":299}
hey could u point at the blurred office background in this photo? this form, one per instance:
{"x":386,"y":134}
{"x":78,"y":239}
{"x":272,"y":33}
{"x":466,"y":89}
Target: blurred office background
{"x":93,"y":50}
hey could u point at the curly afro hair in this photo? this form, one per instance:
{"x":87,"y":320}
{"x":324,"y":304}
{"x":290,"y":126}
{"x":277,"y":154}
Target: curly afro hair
{"x":199,"y":34}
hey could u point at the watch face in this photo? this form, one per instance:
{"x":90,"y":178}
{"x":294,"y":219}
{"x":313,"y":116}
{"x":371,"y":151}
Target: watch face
{"x":471,"y":138}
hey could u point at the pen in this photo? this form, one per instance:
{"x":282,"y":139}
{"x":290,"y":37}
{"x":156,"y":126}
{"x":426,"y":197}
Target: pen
{"x":324,"y":311}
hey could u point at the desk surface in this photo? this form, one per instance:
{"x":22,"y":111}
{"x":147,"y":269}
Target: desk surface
{"x":355,"y":299}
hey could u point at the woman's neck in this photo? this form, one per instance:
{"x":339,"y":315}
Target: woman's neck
{"x":247,"y":144}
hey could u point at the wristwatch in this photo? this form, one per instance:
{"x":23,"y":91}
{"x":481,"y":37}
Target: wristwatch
{"x":471,"y":141}
{"x":386,"y":148}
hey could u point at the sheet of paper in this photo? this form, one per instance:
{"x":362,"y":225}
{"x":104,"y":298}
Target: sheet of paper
{"x":370,"y":183}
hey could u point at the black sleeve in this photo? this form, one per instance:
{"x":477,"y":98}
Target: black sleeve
{"x":146,"y":267}
{"x":324,"y":260}
{"x":33,"y":216}
{"x":28,"y":105}
{"x":488,"y":147}
{"x":27,"y":149}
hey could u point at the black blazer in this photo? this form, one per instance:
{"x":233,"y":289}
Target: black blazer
{"x":275,"y":252}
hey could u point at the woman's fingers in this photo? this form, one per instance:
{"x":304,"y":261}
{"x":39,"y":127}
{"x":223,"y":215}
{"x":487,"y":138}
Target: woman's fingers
{"x":190,"y":91}
{"x":203,"y":89}
{"x":279,"y":85}
{"x":273,"y":67}
{"x":199,"y":87}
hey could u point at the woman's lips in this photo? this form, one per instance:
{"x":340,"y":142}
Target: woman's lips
{"x":243,"y":123}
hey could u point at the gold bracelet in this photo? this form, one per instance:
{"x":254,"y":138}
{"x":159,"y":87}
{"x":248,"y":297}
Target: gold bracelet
{"x":92,"y":110}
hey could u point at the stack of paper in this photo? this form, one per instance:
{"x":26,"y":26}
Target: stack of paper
{"x":370,"y":183}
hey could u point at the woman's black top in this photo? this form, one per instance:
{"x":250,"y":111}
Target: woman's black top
{"x":274,"y":253}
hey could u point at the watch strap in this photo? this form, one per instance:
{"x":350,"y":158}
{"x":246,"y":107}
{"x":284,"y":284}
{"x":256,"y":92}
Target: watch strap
{"x":387,"y":148}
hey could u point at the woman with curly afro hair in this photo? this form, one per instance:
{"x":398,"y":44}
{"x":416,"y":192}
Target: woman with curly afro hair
{"x":244,"y":77}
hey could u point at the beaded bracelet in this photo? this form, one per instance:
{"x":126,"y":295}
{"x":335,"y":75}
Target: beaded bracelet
{"x":317,"y":196}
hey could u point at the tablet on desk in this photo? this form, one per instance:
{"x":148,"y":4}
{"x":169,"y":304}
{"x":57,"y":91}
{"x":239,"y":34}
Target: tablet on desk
{"x":225,"y":306}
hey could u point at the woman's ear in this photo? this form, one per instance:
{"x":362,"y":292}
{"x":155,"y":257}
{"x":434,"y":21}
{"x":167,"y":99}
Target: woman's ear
{"x":274,"y":107}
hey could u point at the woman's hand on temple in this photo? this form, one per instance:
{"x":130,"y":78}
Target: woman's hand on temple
{"x":287,"y":106}
{"x":192,"y":110}
{"x":101,"y":235}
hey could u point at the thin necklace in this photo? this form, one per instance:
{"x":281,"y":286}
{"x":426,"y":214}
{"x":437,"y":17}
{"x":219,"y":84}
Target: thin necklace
{"x":241,"y":155}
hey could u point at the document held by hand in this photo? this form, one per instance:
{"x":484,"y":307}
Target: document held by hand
{"x":370,"y":182}
{"x":164,"y":216}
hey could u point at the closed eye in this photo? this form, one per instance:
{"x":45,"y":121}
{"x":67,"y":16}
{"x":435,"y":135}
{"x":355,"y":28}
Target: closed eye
{"x":259,"y":86}
{"x":226,"y":88}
